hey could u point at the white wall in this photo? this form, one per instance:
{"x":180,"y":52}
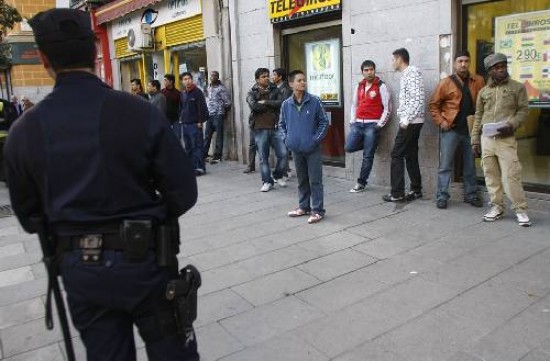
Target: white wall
{"x":253,"y":47}
{"x":380,"y":26}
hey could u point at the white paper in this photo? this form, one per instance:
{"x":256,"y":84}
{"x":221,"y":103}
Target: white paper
{"x":490,"y":129}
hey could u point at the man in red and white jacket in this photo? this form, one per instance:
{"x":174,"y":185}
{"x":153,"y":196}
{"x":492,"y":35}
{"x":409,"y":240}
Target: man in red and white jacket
{"x":370,"y":111}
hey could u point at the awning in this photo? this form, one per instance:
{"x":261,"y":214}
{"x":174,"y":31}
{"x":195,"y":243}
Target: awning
{"x":119,"y":8}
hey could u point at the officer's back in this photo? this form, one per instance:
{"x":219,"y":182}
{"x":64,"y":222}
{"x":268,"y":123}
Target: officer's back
{"x":110,"y":178}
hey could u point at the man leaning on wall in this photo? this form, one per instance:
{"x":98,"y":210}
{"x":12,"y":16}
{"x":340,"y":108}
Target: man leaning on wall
{"x":452,"y":105}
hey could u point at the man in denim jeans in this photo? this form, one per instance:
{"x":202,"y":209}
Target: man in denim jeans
{"x":264,"y":121}
{"x":369,"y":113}
{"x":219,"y":103}
{"x":304,"y":125}
{"x":451,"y":104}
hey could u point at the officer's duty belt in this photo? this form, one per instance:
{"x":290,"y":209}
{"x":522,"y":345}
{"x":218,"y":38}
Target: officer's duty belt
{"x":106,"y":241}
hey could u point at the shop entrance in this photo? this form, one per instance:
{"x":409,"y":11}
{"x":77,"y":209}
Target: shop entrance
{"x":318,"y":53}
{"x":519,"y":29}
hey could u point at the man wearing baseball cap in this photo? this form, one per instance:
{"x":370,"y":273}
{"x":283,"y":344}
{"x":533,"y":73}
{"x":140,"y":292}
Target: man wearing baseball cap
{"x":502,"y":102}
{"x":91,"y":170}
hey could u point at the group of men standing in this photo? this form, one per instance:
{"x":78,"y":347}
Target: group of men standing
{"x":460,"y":106}
{"x":188,"y":110}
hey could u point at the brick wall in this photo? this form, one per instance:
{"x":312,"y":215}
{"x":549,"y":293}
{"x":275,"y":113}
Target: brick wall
{"x":30,"y":76}
{"x":28,"y":8}
{"x":30,"y":79}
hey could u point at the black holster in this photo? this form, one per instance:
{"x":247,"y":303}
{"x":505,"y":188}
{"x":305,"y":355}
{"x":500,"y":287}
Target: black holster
{"x":168,"y":244}
{"x":183,"y":293}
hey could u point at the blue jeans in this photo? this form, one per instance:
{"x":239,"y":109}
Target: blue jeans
{"x":309,"y":171}
{"x":108,"y":299}
{"x":191,"y":138}
{"x":449,"y":141}
{"x":266,"y":138}
{"x":214,"y":124}
{"x":363,"y":136}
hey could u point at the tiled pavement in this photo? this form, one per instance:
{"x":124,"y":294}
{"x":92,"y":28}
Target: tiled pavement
{"x":371,"y":282}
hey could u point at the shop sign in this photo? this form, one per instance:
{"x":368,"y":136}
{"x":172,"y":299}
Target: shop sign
{"x":24,"y":53}
{"x":323,"y":70}
{"x":167,"y":12}
{"x":525,"y":40}
{"x":285,"y":10}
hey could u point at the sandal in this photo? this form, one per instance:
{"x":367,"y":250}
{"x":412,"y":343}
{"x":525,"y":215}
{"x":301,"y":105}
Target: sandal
{"x":298,"y":212}
{"x":314,"y":218}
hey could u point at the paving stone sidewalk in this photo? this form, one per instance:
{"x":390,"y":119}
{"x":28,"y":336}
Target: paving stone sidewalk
{"x":372,"y":282}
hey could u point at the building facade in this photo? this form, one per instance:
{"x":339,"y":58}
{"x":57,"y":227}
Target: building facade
{"x":329,"y":39}
{"x":25,"y":76}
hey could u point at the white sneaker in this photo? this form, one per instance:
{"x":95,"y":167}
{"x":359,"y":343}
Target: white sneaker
{"x":523,"y":219}
{"x":357,"y":188}
{"x":494,"y":213}
{"x":266,"y":187}
{"x":281,"y":182}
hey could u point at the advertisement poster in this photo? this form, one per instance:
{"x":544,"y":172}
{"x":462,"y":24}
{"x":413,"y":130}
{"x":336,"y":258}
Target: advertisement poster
{"x":525,"y":40}
{"x":323,"y":70}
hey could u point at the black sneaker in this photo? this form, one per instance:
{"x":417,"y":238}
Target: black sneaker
{"x":390,"y":198}
{"x":411,"y":196}
{"x":249,"y":170}
{"x":474,"y":201}
{"x":441,"y":204}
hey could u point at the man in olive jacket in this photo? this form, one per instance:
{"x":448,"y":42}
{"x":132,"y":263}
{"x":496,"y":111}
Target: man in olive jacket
{"x":503,"y":101}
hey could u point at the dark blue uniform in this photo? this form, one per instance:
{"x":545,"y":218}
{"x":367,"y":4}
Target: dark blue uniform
{"x":88,"y":157}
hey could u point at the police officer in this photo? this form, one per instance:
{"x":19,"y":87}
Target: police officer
{"x":99,"y":164}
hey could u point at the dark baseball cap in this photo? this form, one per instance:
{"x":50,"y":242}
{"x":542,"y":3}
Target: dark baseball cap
{"x":60,"y":25}
{"x":65,"y":36}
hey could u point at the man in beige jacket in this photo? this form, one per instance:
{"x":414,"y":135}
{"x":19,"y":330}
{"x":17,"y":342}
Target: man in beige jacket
{"x":501,"y":108}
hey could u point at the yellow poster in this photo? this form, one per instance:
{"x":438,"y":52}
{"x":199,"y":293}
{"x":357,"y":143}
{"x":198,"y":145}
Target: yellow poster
{"x":525,"y":40}
{"x":284,"y":10}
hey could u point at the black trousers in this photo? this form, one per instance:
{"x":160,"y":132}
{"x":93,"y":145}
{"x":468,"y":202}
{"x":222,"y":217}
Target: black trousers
{"x":108,"y":299}
{"x":405,"y":152}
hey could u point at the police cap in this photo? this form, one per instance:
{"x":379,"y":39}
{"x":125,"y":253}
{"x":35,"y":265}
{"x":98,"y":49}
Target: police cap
{"x":494,"y":59}
{"x":65,"y":36}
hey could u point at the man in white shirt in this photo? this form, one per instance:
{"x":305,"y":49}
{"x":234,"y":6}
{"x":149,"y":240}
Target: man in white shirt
{"x":411,"y":118}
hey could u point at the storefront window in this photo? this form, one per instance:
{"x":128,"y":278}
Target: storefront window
{"x":129,"y":69}
{"x":318,"y":53}
{"x":192,"y":59}
{"x":519,"y":29}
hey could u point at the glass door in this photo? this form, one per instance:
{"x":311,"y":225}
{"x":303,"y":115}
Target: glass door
{"x":318,"y":53}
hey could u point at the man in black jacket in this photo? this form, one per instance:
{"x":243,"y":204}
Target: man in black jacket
{"x":264,"y":107}
{"x":98,"y":164}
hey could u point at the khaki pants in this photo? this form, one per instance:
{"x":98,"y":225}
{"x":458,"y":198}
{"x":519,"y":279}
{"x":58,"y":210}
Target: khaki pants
{"x":502,"y":169}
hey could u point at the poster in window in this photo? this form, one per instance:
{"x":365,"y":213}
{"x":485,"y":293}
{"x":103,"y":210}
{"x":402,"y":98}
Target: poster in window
{"x":323,"y":70}
{"x":525,"y":40}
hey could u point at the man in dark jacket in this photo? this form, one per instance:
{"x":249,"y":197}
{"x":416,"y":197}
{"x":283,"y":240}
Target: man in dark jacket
{"x":262,"y":99}
{"x":173,"y":97}
{"x":279,"y":78}
{"x":126,"y":186}
{"x":193,"y":113}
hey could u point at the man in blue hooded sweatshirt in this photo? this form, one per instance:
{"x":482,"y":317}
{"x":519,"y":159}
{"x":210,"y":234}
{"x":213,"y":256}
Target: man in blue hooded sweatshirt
{"x":304,"y":125}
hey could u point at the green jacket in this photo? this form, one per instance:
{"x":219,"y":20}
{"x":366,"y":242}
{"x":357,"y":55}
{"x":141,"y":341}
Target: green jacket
{"x":504,"y":102}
